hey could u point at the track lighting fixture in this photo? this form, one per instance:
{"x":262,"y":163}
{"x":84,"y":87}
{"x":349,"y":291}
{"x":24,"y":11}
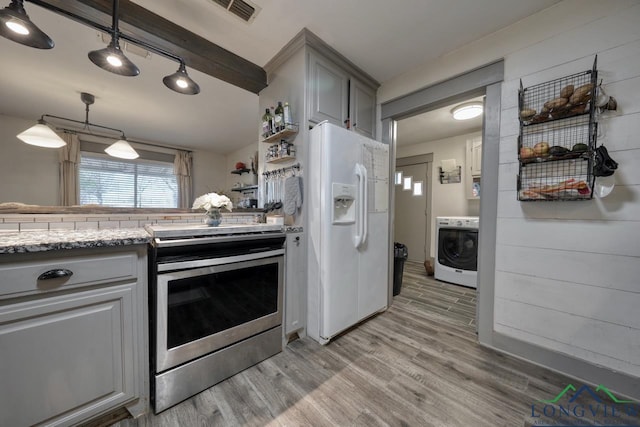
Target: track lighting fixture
{"x":16,"y":25}
{"x":43,"y":136}
{"x":111,"y":58}
{"x":181,"y":82}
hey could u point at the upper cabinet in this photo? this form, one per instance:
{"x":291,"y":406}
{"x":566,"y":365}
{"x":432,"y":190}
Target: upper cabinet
{"x":474,"y":156}
{"x":362,"y":108}
{"x":341,"y":94}
{"x":329,"y":91}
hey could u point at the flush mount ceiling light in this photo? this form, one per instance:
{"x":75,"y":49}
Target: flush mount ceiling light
{"x":16,"y":25}
{"x":468,"y":110}
{"x":181,"y":82}
{"x":43,"y":136}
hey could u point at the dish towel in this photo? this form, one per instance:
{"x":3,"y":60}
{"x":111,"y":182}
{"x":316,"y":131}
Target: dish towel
{"x":292,"y":195}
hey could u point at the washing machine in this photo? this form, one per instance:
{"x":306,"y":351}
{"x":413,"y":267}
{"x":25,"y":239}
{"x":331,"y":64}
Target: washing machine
{"x":457,"y":250}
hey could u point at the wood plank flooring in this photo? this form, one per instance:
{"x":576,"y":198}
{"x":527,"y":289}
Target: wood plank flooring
{"x":417,"y":364}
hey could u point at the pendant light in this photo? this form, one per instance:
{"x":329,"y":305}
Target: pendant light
{"x":181,"y":82}
{"x":111,"y":58}
{"x":16,"y":25}
{"x":122,"y":149}
{"x":41,"y":135}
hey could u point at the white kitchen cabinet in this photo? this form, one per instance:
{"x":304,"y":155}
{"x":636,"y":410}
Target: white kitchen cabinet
{"x":473,"y":167}
{"x":474,"y":150}
{"x":328,"y":90}
{"x":339,"y":96}
{"x":362,"y":108}
{"x":72,"y":348}
{"x":295,"y":313}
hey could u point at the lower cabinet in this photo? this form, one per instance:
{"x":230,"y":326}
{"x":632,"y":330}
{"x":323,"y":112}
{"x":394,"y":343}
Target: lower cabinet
{"x":295,"y":314}
{"x":69,"y":356}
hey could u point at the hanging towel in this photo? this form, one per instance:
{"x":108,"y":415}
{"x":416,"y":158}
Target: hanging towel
{"x":292,"y":195}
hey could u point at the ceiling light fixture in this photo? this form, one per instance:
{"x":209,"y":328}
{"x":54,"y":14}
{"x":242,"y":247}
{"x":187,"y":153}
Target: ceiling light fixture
{"x":110,"y":58}
{"x":181,"y":82}
{"x":16,"y":25}
{"x":43,"y":136}
{"x":468,"y":110}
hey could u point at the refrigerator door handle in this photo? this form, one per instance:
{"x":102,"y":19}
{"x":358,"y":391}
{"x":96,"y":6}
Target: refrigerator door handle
{"x":365,"y":204}
{"x":358,"y":238}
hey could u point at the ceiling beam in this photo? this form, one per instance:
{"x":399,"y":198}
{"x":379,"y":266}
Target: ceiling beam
{"x":144,"y":25}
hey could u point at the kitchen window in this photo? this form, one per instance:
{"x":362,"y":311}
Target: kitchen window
{"x":139,"y":183}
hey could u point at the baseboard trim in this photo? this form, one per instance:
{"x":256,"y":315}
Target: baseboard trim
{"x":622,"y":384}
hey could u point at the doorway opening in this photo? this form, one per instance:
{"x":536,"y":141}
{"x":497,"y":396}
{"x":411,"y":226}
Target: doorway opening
{"x":487,"y":81}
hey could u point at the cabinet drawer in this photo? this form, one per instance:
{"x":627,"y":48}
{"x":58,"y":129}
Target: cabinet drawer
{"x":22,"y":277}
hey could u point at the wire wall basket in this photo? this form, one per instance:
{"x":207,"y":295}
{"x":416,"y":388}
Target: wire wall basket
{"x":557,"y":138}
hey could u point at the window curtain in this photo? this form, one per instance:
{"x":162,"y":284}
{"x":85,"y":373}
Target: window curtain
{"x":182,"y":167}
{"x":69,"y":156}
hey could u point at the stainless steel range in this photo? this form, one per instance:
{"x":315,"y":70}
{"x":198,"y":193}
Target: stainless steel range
{"x":216,"y":301}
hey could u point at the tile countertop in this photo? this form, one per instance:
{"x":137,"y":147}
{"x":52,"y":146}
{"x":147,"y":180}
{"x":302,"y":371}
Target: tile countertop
{"x":42,"y":240}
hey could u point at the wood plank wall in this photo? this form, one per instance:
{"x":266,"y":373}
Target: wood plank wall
{"x":568,"y":273}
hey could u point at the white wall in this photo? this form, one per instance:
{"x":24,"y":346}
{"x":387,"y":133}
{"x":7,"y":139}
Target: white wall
{"x":30,"y":174}
{"x":446,"y":199}
{"x":566,"y":272}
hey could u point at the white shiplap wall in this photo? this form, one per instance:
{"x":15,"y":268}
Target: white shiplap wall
{"x":568,"y":273}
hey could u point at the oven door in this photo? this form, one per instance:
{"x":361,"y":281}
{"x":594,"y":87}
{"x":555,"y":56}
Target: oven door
{"x":201,"y":310}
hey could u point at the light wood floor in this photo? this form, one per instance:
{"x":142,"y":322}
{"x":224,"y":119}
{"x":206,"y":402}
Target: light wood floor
{"x":417,"y":364}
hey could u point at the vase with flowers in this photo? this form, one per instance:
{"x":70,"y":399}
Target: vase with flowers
{"x":212,"y":203}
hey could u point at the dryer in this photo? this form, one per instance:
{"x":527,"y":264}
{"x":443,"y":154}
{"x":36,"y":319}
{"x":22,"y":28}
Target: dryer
{"x":457,"y":250}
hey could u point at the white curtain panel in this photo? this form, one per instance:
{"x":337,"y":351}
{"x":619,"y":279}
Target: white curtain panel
{"x":69,"y":156}
{"x":182,"y":167}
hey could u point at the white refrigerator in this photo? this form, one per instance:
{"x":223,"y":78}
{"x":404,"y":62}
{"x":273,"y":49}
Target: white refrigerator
{"x":347,"y":227}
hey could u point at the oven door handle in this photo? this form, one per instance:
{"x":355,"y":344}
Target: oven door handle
{"x":160,"y":243}
{"x":182,"y":265}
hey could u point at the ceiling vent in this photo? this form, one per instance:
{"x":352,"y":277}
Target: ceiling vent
{"x":242,"y":9}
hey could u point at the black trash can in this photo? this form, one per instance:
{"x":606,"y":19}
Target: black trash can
{"x":400,"y":256}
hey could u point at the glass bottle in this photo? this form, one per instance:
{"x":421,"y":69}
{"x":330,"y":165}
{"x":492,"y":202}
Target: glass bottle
{"x":287,"y":120}
{"x":267,"y":120}
{"x":279,"y":118}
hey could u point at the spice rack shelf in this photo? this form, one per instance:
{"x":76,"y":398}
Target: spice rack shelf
{"x":240,"y":171}
{"x":557,"y":138}
{"x":281,"y":159}
{"x":291,"y":130}
{"x":246,"y":188}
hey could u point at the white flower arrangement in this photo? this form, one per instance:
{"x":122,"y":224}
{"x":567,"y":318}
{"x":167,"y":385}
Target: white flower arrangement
{"x":212,"y":201}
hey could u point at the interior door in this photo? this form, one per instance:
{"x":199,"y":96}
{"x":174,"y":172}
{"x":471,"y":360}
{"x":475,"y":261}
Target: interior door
{"x":411,"y":219}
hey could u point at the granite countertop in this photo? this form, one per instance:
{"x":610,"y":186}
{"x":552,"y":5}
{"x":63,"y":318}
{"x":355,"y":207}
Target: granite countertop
{"x":39,"y":241}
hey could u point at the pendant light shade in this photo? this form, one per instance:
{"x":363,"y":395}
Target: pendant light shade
{"x":16,"y":25}
{"x":41,"y":135}
{"x":181,"y":82}
{"x":112,"y":59}
{"x":122,"y":150}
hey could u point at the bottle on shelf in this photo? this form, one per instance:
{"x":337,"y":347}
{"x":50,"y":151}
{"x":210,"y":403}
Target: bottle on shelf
{"x":286,"y":118}
{"x":278,"y":118}
{"x":273,"y":121}
{"x":267,"y":123}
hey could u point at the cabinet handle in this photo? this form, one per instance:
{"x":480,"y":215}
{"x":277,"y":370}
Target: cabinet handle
{"x":55,"y":274}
